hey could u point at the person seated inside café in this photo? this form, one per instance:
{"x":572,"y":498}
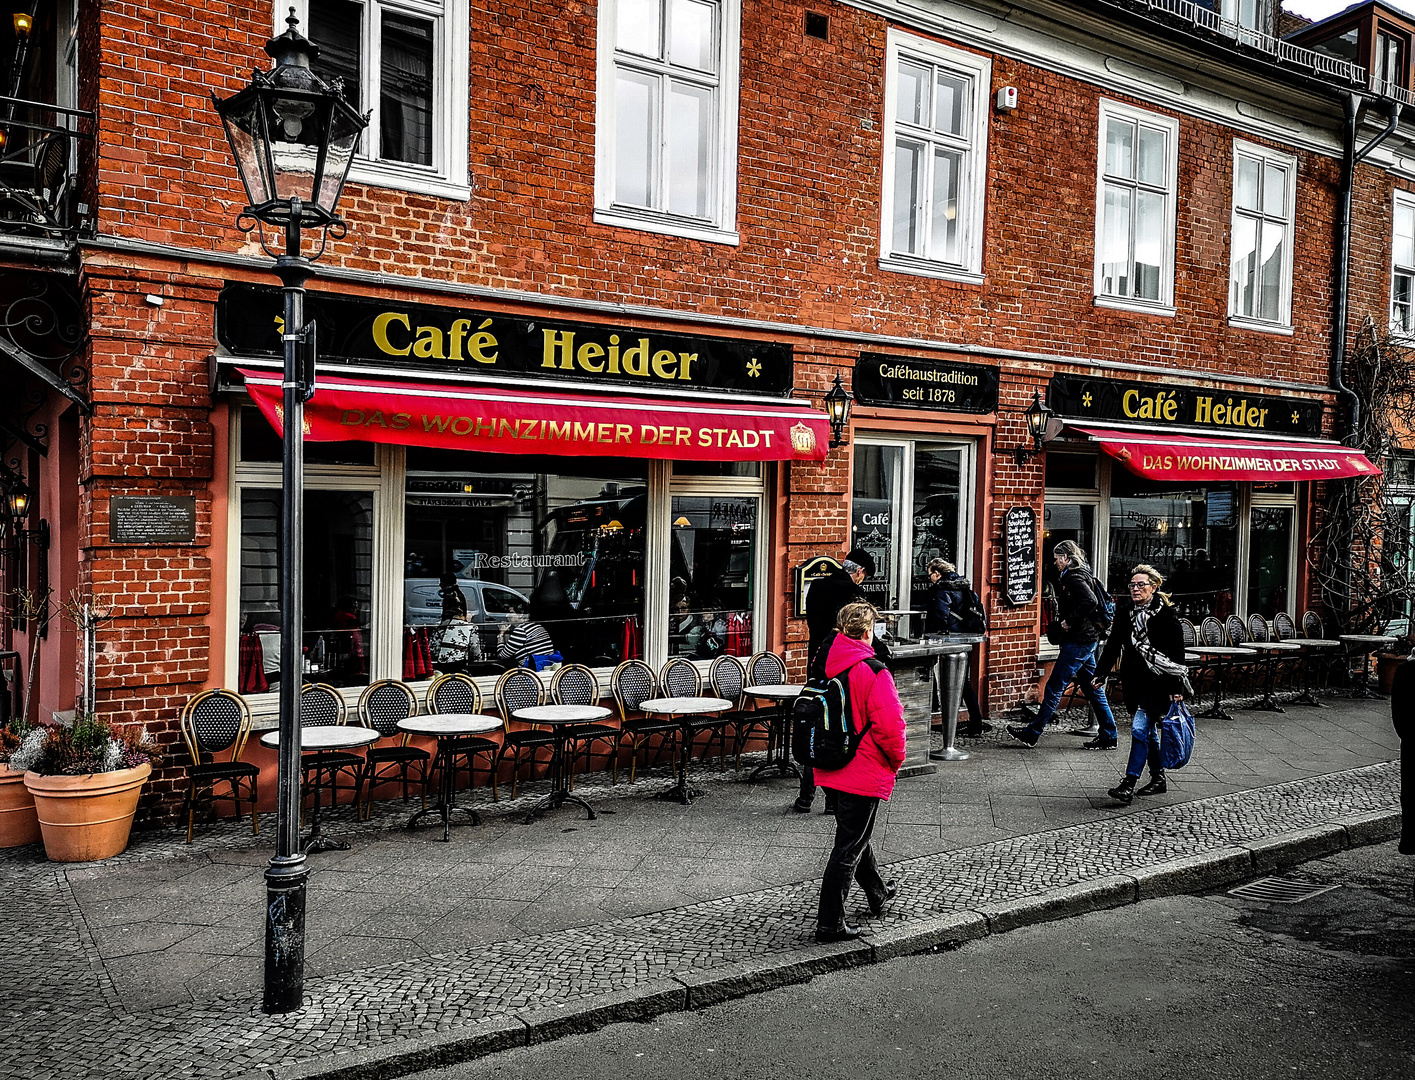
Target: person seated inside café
{"x":531,"y":643}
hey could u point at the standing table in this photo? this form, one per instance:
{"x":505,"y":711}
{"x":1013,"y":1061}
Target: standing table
{"x":778,"y":749}
{"x":683,"y":707}
{"x":1269,"y":651}
{"x":1362,"y":645}
{"x":559,"y":718}
{"x":333,"y":737}
{"x":447,"y":728}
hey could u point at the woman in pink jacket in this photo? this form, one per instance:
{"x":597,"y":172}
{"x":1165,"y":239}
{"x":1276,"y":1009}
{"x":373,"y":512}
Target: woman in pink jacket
{"x":867,"y":779}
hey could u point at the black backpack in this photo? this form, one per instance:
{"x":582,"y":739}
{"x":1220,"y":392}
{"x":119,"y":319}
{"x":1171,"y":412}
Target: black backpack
{"x":824,"y":732}
{"x":1105,"y":606}
{"x":974,"y":620}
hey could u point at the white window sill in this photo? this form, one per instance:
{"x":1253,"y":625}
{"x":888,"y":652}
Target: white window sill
{"x":414,"y":178}
{"x":1140,"y":307}
{"x":666,"y":226}
{"x":923,"y":268}
{"x":1238,"y":322}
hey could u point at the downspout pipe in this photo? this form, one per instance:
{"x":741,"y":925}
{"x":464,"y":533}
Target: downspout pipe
{"x":1351,"y":103}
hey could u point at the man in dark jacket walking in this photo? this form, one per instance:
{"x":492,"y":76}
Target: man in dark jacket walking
{"x":1078,"y":612}
{"x":1149,"y":643}
{"x":826,"y":597}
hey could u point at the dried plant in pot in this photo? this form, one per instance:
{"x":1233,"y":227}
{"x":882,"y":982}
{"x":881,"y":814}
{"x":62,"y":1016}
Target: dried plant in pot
{"x":18,"y":824}
{"x":85,"y":780}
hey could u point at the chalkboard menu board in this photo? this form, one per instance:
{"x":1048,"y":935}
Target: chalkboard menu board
{"x":152,"y":520}
{"x":1021,"y":536}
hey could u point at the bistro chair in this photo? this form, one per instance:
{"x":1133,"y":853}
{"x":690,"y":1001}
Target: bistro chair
{"x":323,"y":706}
{"x":1191,"y":635}
{"x":1312,"y":626}
{"x":381,"y":706}
{"x":519,"y":688}
{"x":1284,"y":627}
{"x":455,"y":692}
{"x":631,"y":684}
{"x":1237,"y":630}
{"x":725,"y":677}
{"x":1213,"y":633}
{"x":216,"y":723}
{"x":728,"y":678}
{"x":680,"y":678}
{"x":766,"y":669}
{"x":575,"y":684}
{"x":1258,"y":628}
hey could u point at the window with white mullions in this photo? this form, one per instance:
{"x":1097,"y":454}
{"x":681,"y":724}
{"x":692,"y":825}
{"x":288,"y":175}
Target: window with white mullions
{"x":935,"y":143}
{"x":1260,"y":279}
{"x":1402,"y":288}
{"x":1135,"y":237}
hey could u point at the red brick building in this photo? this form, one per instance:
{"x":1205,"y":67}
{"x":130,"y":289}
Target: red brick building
{"x":1131,"y":210}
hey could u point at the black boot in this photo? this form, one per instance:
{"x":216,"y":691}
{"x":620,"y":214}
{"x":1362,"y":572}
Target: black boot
{"x":1124,"y":792}
{"x":1156,"y":786}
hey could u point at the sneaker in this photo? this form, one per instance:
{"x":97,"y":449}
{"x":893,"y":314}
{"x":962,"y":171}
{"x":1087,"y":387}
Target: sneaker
{"x":1099,"y":743}
{"x":1022,"y":734}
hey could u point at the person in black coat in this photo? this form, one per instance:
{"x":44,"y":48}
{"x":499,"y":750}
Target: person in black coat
{"x":951,"y":607}
{"x":1402,"y":714}
{"x":827,"y":595}
{"x":1148,"y":642}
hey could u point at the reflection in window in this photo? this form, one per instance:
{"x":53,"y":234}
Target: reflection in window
{"x":405,"y":90}
{"x":1269,"y":560}
{"x":712,"y":562}
{"x":260,"y":443}
{"x":937,"y":474}
{"x":1189,"y":536}
{"x":338,"y":575}
{"x":552,"y":540}
{"x":1065,"y":521}
{"x":876,"y":512}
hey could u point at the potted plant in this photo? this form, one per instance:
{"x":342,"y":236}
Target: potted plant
{"x":1389,"y":660}
{"x":18,"y":824}
{"x":85,"y":780}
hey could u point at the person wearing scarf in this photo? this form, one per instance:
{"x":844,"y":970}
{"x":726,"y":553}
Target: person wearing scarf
{"x":1149,"y":643}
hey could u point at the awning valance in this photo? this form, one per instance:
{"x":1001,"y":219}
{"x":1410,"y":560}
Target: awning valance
{"x":470,"y":417}
{"x":1170,"y":455}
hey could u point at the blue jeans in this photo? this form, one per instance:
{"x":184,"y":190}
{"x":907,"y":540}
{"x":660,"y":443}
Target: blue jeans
{"x":1144,"y":735}
{"x":1076,"y":662}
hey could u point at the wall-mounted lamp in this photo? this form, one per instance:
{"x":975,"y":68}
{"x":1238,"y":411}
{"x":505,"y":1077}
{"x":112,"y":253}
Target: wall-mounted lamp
{"x":24,"y":23}
{"x":837,"y":408}
{"x":15,"y":499}
{"x":1037,"y":415}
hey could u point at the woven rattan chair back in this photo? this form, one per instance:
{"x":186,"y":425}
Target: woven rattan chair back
{"x":680,"y":678}
{"x":1213,"y":632}
{"x":574,"y":684}
{"x":727,"y":677}
{"x":453,"y":692}
{"x":384,"y":703}
{"x":1237,"y":631}
{"x":214,"y":722}
{"x":1312,"y":625}
{"x":766,"y":669}
{"x":1191,"y":635}
{"x":1284,"y":627}
{"x":632,"y":683}
{"x":321,"y":706}
{"x":1258,"y":628}
{"x":519,"y":688}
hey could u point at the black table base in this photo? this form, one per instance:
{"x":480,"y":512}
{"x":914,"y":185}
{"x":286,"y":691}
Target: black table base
{"x":682,"y":792}
{"x":1307,"y":697}
{"x":778,"y":749}
{"x":317,"y":841}
{"x":446,"y":804}
{"x":1268,"y":703}
{"x":1216,"y":711}
{"x":559,"y":792}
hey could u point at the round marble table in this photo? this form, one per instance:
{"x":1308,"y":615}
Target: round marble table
{"x":447,"y":728}
{"x":778,"y":748}
{"x":683,"y":707}
{"x":560,"y":718}
{"x":318,"y":740}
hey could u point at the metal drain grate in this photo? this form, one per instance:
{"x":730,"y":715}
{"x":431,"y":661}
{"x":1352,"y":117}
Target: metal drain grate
{"x":1276,"y":890}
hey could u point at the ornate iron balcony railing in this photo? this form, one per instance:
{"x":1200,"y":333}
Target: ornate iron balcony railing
{"x":39,"y":169}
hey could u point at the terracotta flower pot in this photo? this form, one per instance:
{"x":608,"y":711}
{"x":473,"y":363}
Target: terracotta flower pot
{"x":18,"y":823}
{"x":89,"y":817}
{"x":1387,"y":664}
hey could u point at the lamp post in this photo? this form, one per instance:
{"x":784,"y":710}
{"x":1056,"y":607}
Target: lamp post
{"x":293,"y":137}
{"x":1037,"y":417}
{"x":837,"y":408}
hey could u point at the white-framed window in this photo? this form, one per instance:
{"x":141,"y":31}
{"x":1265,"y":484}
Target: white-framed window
{"x":1402,"y":283}
{"x":1260,"y":253}
{"x":666,"y":117}
{"x":1136,"y":197}
{"x":935,"y":159}
{"x":404,"y":62}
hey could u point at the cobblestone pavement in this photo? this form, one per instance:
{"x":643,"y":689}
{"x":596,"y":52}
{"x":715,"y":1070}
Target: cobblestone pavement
{"x":149,"y":965}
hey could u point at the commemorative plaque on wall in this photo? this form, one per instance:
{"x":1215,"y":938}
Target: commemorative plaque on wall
{"x":912,"y":383}
{"x":152,"y":520}
{"x":1020,"y":531}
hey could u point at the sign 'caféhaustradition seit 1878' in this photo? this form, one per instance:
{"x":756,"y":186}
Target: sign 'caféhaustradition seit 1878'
{"x":453,"y":340}
{"x":909,"y":382}
{"x":1169,"y":405}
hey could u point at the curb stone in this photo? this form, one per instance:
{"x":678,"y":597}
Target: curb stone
{"x":1375,"y":827}
{"x":411,"y":1055}
{"x":1096,"y":894}
{"x":908,"y":939}
{"x":1285,"y":849}
{"x":550,"y":1022}
{"x":769,"y":972}
{"x":1193,"y":873}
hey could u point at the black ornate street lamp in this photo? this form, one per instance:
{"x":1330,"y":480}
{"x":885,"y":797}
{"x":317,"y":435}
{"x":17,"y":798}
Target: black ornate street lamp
{"x":293,"y":137}
{"x":837,"y":408}
{"x":1037,"y":417}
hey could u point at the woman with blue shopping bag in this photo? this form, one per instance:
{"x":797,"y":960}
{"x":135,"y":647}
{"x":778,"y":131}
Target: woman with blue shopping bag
{"x":1149,"y":643}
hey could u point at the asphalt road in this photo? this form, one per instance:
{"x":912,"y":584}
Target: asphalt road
{"x":1184,"y":987}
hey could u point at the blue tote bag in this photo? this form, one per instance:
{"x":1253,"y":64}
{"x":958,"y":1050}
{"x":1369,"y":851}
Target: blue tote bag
{"x":1176,"y":736}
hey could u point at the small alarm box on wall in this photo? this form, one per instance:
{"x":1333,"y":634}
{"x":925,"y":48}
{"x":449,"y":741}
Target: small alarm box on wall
{"x":1007,"y":99}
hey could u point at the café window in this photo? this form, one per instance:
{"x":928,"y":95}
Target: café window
{"x":912,"y":502}
{"x":713,"y":562}
{"x":1402,"y":287}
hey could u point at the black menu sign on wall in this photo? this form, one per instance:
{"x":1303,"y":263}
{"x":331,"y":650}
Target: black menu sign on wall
{"x":1021,"y":537}
{"x":908,"y":382}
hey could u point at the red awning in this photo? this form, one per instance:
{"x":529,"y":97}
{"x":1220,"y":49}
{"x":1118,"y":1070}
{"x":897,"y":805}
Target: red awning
{"x":1166,"y":455}
{"x":488,"y":418}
